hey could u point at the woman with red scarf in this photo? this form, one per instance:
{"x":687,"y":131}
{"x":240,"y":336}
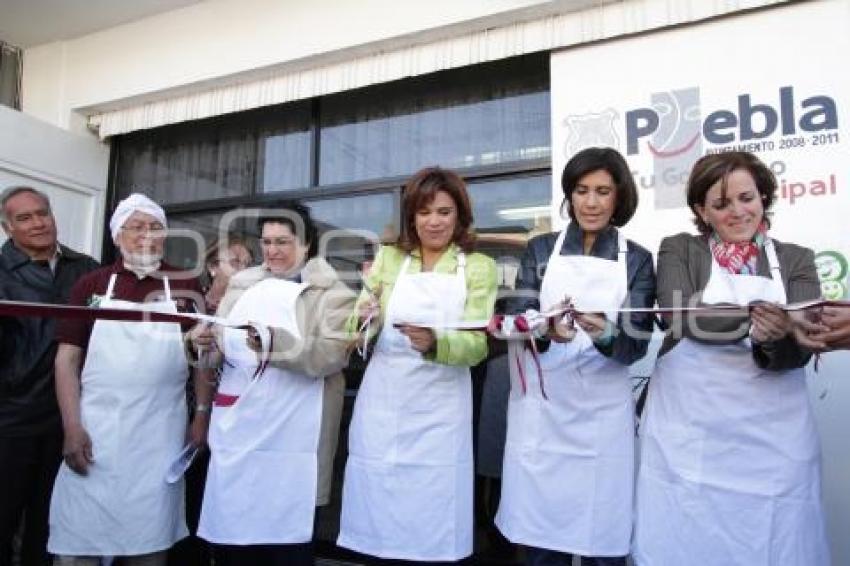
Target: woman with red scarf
{"x":730,"y":457}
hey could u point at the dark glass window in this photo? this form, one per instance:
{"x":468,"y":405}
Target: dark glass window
{"x":285,"y":155}
{"x":349,"y":229}
{"x":489,"y":122}
{"x":231,"y":156}
{"x":189,"y":235}
{"x":477,"y":116}
{"x":508,"y":212}
{"x":10,"y":76}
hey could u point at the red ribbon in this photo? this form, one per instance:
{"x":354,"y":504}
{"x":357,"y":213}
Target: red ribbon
{"x":521,"y":324}
{"x":47,"y":310}
{"x":225,"y":400}
{"x":495,"y":324}
{"x":265,"y":356}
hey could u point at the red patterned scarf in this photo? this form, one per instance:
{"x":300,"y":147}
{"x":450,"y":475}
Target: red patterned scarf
{"x":739,"y":258}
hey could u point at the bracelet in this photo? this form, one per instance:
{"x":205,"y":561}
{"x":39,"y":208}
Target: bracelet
{"x":201,"y":408}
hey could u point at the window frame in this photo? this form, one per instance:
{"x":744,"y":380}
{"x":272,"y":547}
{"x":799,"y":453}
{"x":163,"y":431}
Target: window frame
{"x":314,"y":191}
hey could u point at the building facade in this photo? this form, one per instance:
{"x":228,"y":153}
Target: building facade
{"x":229,"y":105}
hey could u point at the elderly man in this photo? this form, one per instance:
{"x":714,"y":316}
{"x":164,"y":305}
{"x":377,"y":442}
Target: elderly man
{"x":33,"y":267}
{"x":121,"y":390}
{"x":273,"y":437}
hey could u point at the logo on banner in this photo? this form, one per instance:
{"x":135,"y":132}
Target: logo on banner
{"x":590,"y":130}
{"x":832,"y":272}
{"x":673,"y":130}
{"x":679,"y":110}
{"x":674,"y":123}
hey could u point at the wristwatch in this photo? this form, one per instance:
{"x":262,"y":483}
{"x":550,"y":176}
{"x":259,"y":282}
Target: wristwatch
{"x":201,"y":408}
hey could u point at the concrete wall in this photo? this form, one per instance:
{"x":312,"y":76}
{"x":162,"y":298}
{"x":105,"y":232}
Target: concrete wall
{"x":221,"y":38}
{"x":70,"y":167}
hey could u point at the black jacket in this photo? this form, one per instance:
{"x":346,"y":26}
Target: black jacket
{"x":625,"y":348}
{"x":27,"y":346}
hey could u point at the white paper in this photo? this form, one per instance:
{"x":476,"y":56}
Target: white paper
{"x":180,"y":464}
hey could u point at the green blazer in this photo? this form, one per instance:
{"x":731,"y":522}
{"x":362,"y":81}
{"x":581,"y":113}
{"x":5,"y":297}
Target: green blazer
{"x":457,"y":348}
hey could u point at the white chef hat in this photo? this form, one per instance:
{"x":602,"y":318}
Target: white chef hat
{"x":136,"y":202}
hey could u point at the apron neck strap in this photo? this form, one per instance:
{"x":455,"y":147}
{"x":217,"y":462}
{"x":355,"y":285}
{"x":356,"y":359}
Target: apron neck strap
{"x":111,"y":286}
{"x":772,"y":263}
{"x":622,"y":245}
{"x":622,"y":255}
{"x":772,"y":260}
{"x":167,"y":287}
{"x":405,"y":264}
{"x":460,"y":274}
{"x":559,"y":242}
{"x":461,"y":264}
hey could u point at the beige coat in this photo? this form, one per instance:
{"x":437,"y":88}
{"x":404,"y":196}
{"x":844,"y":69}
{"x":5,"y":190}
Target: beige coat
{"x":322,"y":310}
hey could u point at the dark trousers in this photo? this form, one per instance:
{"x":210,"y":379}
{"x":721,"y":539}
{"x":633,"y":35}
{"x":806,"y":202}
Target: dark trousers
{"x":543,"y":557}
{"x":28,"y":466}
{"x":265,"y":554}
{"x":192,"y":550}
{"x":374,"y":561}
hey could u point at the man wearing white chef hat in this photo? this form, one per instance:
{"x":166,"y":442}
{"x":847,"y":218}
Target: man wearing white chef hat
{"x":121,"y":390}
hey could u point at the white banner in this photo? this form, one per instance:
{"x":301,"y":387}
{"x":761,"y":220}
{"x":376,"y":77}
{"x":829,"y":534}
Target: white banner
{"x":772,"y":82}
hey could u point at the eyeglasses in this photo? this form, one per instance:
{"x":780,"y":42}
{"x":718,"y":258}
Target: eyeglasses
{"x":155,"y":229}
{"x":282,"y":242}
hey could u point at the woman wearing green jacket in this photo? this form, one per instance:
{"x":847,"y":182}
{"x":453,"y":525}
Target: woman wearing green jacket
{"x":409,"y":477}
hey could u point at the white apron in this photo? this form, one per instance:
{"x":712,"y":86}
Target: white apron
{"x":408,"y":480}
{"x":568,"y":472}
{"x":730,"y":457}
{"x":133,"y":406}
{"x":263,"y":471}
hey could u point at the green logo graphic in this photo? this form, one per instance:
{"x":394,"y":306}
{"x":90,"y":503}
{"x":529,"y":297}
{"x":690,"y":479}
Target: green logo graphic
{"x":832,"y":272}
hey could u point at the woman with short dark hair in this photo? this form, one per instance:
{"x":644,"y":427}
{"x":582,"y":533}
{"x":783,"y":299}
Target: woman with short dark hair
{"x":730,"y":459}
{"x":569,"y":456}
{"x":409,"y":477}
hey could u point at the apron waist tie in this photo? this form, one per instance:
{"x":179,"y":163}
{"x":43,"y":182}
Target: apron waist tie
{"x":225,"y":400}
